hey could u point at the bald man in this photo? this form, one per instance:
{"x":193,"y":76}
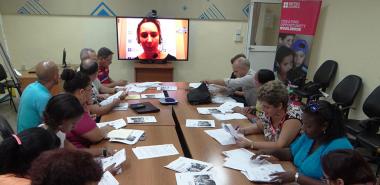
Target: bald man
{"x":244,"y":79}
{"x":36,"y":95}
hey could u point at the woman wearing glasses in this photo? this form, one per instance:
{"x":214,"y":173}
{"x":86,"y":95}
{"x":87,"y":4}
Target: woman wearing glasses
{"x":323,"y":132}
{"x":85,"y":131}
{"x":279,"y":121}
{"x":149,"y":36}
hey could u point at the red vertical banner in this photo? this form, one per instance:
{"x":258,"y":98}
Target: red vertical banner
{"x":298,"y":24}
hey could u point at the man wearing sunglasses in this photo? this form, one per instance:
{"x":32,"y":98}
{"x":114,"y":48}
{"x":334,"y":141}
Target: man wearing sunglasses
{"x":149,"y":37}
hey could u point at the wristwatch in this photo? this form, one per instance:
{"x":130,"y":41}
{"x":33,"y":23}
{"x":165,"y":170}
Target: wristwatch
{"x":296,"y":177}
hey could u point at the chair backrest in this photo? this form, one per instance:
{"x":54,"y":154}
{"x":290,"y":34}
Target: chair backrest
{"x":5,"y":129}
{"x":371,"y":105}
{"x":325,"y":73}
{"x":3,"y":74}
{"x":347,"y":89}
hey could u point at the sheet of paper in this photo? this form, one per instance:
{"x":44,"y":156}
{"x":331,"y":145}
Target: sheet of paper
{"x":167,"y":88}
{"x":133,"y":97}
{"x":208,"y":110}
{"x":141,"y":119}
{"x":183,"y":164}
{"x":111,"y":98}
{"x":194,"y":85}
{"x":130,"y":139}
{"x":228,"y":106}
{"x":222,"y":99}
{"x":240,"y":153}
{"x":155,"y":95}
{"x":118,"y":158}
{"x":220,"y":135}
{"x":108,"y":179}
{"x":133,"y":88}
{"x":121,"y":106}
{"x":231,"y":130}
{"x":229,"y":116}
{"x":197,"y":178}
{"x":119,"y":123}
{"x":148,"y":84}
{"x":263,"y":172}
{"x":145,"y":152}
{"x":199,"y":123}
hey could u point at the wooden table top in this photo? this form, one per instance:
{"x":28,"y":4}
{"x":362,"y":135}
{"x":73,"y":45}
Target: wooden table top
{"x":147,"y":171}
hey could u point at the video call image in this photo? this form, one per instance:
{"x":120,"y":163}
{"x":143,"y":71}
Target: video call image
{"x":152,"y":39}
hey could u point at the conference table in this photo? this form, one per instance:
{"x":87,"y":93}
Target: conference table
{"x":190,"y":142}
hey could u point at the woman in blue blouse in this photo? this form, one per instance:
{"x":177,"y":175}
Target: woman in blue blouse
{"x":323,"y":131}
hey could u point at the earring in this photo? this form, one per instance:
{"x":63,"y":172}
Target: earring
{"x":324,"y":132}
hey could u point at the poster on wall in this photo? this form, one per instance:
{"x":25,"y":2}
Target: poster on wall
{"x":298,"y":24}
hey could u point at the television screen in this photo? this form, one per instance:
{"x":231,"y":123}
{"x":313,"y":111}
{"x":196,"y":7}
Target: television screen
{"x":152,"y":38}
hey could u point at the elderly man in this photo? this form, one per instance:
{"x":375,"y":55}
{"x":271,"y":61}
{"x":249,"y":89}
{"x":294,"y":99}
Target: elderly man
{"x":36,"y":95}
{"x":244,"y":80}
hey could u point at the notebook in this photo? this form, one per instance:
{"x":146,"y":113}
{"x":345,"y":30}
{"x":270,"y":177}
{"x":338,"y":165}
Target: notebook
{"x":145,"y":107}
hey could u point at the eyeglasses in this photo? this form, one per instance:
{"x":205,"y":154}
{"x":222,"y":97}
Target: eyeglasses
{"x":145,"y":34}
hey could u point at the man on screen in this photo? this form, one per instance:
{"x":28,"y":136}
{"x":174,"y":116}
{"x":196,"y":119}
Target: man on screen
{"x":149,"y":37}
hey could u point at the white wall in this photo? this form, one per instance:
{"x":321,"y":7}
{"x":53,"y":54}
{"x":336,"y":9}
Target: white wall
{"x":348,"y":32}
{"x":34,"y":38}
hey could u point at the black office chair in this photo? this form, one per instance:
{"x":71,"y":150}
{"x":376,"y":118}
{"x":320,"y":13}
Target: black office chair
{"x":321,"y":80}
{"x":5,"y":129}
{"x":345,"y":92}
{"x":371,"y":108}
{"x":8,"y":84}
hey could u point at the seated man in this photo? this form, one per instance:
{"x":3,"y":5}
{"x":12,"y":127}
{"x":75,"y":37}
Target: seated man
{"x":244,"y":80}
{"x":36,"y":95}
{"x":104,"y":61}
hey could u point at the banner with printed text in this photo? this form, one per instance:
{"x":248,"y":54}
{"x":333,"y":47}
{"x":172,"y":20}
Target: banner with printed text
{"x":298,"y":24}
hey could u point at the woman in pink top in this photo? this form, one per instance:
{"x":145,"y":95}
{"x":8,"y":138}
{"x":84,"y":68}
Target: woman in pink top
{"x":85,"y":131}
{"x":18,"y":151}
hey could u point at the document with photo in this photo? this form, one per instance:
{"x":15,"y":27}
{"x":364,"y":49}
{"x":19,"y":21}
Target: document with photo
{"x":121,"y":106}
{"x":110,"y":99}
{"x":141,"y":119}
{"x":108,"y":179}
{"x":153,"y":96}
{"x":167,"y":88}
{"x":228,"y":106}
{"x":208,"y":110}
{"x":126,"y":136}
{"x":197,"y":178}
{"x":229,"y":116}
{"x":222,"y":136}
{"x":183,"y":164}
{"x":146,"y":152}
{"x":199,"y":123}
{"x":117,"y":124}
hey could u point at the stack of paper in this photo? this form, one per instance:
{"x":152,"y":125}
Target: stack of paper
{"x":111,"y":98}
{"x":166,"y":88}
{"x":141,"y":119}
{"x":156,"y":95}
{"x":199,"y":123}
{"x":127,"y":136}
{"x":108,"y":179}
{"x":220,"y":135}
{"x":118,"y":158}
{"x":257,"y":170}
{"x":229,"y":116}
{"x":183,"y":164}
{"x":145,"y":152}
{"x":121,"y":106}
{"x":197,"y":178}
{"x":119,"y":123}
{"x":208,"y":110}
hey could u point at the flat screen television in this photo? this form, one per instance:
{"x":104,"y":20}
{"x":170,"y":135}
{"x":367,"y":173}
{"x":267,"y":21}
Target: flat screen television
{"x":152,"y":39}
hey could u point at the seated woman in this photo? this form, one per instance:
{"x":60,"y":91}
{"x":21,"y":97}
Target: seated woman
{"x":63,"y":167}
{"x":261,"y":77}
{"x":18,"y":151}
{"x":323,"y":132}
{"x":280,"y":122}
{"x":62,"y":113}
{"x":347,"y":166}
{"x":85,"y":131}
